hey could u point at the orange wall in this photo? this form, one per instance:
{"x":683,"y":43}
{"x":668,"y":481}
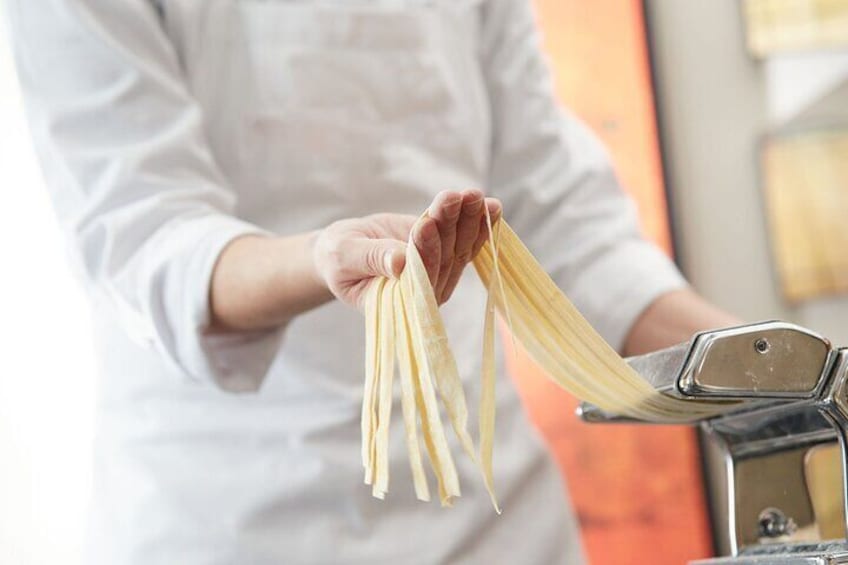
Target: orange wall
{"x":601,"y":70}
{"x":637,"y":489}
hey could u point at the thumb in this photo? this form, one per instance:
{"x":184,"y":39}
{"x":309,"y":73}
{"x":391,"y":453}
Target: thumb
{"x":384,"y":257}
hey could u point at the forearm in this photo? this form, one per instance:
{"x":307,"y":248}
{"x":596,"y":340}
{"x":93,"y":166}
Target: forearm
{"x":673,"y":318}
{"x":262,"y":282}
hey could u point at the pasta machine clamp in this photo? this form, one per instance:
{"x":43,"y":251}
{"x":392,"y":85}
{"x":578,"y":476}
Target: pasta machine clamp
{"x":775,"y":462}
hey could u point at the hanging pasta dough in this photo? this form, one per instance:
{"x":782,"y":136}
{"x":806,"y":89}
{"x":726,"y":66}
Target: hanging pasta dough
{"x":403,"y":323}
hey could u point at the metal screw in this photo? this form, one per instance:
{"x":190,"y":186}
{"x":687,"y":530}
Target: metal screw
{"x":773,"y":523}
{"x":762,"y":345}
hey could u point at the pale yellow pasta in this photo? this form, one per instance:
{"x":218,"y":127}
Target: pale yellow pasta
{"x":384,"y":395}
{"x":372,"y":364}
{"x":427,"y":403}
{"x":440,"y":362}
{"x":407,"y":368}
{"x":403,"y":321}
{"x":487,"y":397}
{"x":563,"y":343}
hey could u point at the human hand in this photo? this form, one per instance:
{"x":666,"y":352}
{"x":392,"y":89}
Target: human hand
{"x":348,"y":254}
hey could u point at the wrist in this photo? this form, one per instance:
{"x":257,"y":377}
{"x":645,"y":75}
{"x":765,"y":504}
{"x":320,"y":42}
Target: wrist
{"x":313,"y":270}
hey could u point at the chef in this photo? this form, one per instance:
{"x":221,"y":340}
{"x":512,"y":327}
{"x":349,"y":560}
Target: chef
{"x":230,"y":174}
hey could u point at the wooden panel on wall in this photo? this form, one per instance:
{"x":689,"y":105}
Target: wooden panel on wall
{"x":637,"y":489}
{"x":804,"y":178}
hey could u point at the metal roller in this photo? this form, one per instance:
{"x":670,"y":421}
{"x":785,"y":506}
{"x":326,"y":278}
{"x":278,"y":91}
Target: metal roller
{"x":776,"y":462}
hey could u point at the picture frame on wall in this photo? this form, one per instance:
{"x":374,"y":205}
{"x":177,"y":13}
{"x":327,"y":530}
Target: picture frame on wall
{"x":779,"y":26}
{"x":805,"y":185}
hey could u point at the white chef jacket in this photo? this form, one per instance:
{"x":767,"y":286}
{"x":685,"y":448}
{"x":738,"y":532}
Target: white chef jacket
{"x":168,"y":128}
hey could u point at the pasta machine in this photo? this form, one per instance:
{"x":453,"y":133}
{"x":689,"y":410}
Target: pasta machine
{"x":775,"y":461}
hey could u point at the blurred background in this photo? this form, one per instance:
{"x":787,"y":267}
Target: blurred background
{"x":728,"y":122}
{"x":47,"y":375}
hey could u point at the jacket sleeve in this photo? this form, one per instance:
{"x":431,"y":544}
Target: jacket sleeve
{"x":559,"y":191}
{"x":131,"y":177}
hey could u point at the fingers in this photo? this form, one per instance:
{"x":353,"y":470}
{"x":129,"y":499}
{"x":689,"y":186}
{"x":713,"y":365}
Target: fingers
{"x":451,"y":235}
{"x":475,"y":233}
{"x":349,"y":253}
{"x":374,"y":258}
{"x":467,"y":231}
{"x":426,"y":238}
{"x":495,"y":211}
{"x":395,"y":226}
{"x":446,"y":209}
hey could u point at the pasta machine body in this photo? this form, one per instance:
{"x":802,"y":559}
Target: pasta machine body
{"x":775,"y":462}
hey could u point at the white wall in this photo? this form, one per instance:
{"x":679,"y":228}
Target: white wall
{"x":715,"y":104}
{"x":46,"y":362}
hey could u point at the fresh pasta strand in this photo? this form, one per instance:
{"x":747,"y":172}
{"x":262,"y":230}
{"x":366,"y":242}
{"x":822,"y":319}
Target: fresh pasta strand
{"x":403,"y":323}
